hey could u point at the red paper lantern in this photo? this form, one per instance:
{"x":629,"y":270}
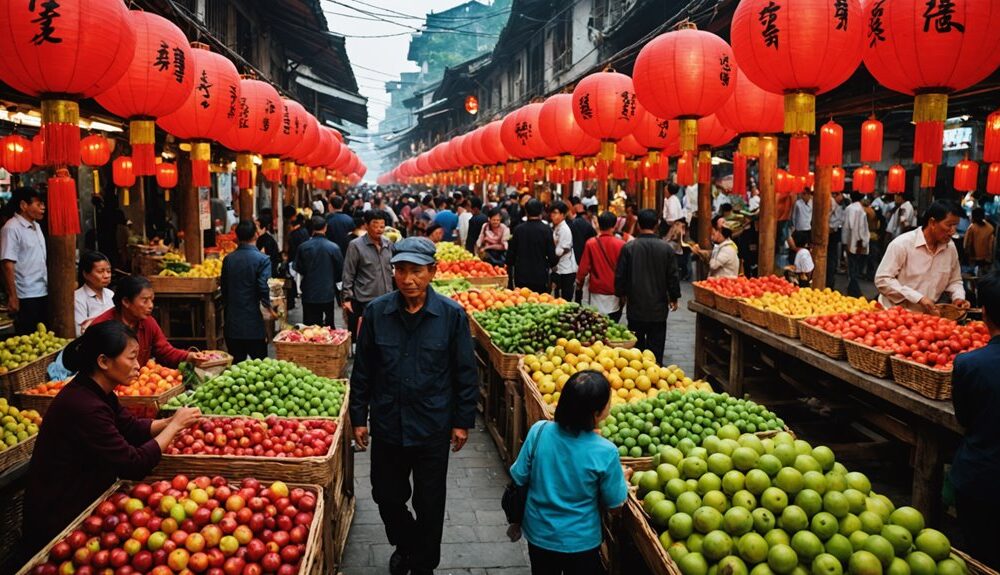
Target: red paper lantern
{"x":63,"y":52}
{"x":604,"y":106}
{"x":798,"y":48}
{"x":864,"y":180}
{"x":783,"y":184}
{"x":38,"y":150}
{"x":871,"y":141}
{"x":930,"y":49}
{"x":62,"y":192}
{"x":157,"y":82}
{"x":166,"y":175}
{"x":685,"y":74}
{"x":491,"y":144}
{"x":422,"y":165}
{"x":293,"y":124}
{"x":831,"y":145}
{"x":705,"y":167}
{"x":685,"y":169}
{"x":15,"y":154}
{"x":991,"y":140}
{"x":798,"y":155}
{"x":311,"y":136}
{"x":896,"y":183}
{"x":257,"y":124}
{"x":123,"y":172}
{"x":522,"y":135}
{"x":752,"y":111}
{"x":209,"y":111}
{"x":469,"y":149}
{"x":560,"y":130}
{"x":630,"y":147}
{"x":966,"y":176}
{"x":711,"y":132}
{"x":95,"y":150}
{"x":837,"y":179}
{"x":993,"y":180}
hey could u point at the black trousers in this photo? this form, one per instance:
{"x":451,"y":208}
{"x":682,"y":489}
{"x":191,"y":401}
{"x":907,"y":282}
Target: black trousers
{"x":651,"y":335}
{"x":392,"y":465}
{"x":32,"y":312}
{"x":354,"y":318}
{"x":565,"y":285}
{"x":545,"y":562}
{"x":242,"y":349}
{"x":977,"y":520}
{"x":319,"y":313}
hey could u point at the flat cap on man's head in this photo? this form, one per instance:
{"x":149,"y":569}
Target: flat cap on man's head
{"x":417,"y":250}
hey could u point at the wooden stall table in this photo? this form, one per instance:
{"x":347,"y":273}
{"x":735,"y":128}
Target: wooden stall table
{"x":190,"y":316}
{"x":927,"y":424}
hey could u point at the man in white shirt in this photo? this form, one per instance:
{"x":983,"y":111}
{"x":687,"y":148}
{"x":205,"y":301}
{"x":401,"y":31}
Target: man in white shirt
{"x":23,"y":253}
{"x":464,"y":216}
{"x":855,"y":235}
{"x":903,"y":217}
{"x":690,"y":202}
{"x":833,"y":246}
{"x":802,"y":216}
{"x":922,"y":264}
{"x":672,"y":210}
{"x":564,"y":273}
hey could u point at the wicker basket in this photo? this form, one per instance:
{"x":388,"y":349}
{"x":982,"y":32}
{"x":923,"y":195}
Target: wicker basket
{"x":647,"y":542}
{"x":786,"y":325}
{"x":174,"y":284}
{"x":149,"y":405}
{"x":868,"y":359}
{"x":754,"y":315}
{"x":16,"y":455}
{"x":323,"y":359}
{"x":504,"y":363}
{"x":975,"y":567}
{"x":306,"y":565}
{"x":488,"y":282}
{"x":822,"y":341}
{"x":927,"y":381}
{"x":11,"y":516}
{"x":727,"y":305}
{"x":27,"y":376}
{"x":535,"y":408}
{"x":951,"y":311}
{"x":224,"y":360}
{"x":703,"y":295}
{"x":627,"y":344}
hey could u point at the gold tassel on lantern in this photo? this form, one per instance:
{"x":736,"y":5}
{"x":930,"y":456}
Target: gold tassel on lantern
{"x":97,"y":183}
{"x":800,"y":113}
{"x":61,"y":132}
{"x":750,"y":146}
{"x":929,"y":113}
{"x":608,"y":151}
{"x":688,"y":134}
{"x":142,"y":137}
{"x":201,"y":157}
{"x":244,"y":171}
{"x":125,"y":200}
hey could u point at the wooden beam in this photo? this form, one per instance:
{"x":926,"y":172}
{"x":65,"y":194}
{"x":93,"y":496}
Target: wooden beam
{"x":704,"y":220}
{"x":190,"y":215}
{"x":768,"y":222}
{"x":822,"y":205}
{"x":61,"y":260}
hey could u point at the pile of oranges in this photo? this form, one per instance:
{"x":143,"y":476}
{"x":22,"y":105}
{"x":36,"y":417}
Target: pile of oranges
{"x":468,"y":269}
{"x":153,"y":379}
{"x":491,"y":298}
{"x":50,"y":389}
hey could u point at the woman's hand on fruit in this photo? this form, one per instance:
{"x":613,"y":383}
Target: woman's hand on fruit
{"x":929,"y":306}
{"x":185,"y":416}
{"x":960,"y":303}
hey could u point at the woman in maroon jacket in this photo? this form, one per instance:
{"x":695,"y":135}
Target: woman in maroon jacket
{"x":87,"y":440}
{"x":133,"y":307}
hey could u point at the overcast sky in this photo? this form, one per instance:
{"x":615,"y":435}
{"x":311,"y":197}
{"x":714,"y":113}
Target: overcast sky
{"x":377,"y":60}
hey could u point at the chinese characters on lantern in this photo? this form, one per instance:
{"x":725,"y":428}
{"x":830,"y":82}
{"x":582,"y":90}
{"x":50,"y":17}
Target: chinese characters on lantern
{"x":586,"y":112}
{"x":840,"y":14}
{"x":233,"y":97}
{"x":628,"y":105}
{"x":179,"y":65}
{"x":768,"y":16}
{"x":265,"y":124}
{"x":876,"y":30}
{"x":940,"y":13}
{"x":523,"y":132}
{"x":162,"y":61}
{"x":244,"y":114}
{"x":46,"y":22}
{"x":203,"y":87}
{"x":727,"y":69}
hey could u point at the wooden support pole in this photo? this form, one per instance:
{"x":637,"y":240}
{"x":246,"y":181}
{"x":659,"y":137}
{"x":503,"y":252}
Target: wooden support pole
{"x":277,"y":220}
{"x":140,"y":189}
{"x":246,"y":203}
{"x":768,"y":223}
{"x":821,"y":225}
{"x":704,"y":222}
{"x":61,"y":261}
{"x":190,"y":215}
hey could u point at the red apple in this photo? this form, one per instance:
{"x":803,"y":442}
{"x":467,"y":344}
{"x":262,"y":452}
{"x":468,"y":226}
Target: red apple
{"x":281,"y":538}
{"x":140,"y":534}
{"x":244,"y":515}
{"x":252,"y":569}
{"x":179,"y":482}
{"x":143,"y":561}
{"x":233,"y":566}
{"x":290,"y":554}
{"x":288,"y":569}
{"x":178,"y":559}
{"x":132,"y":546}
{"x":243,"y":534}
{"x":93,"y":525}
{"x":271,"y":562}
{"x":222,"y":493}
{"x":154,"y":523}
{"x":284,"y":522}
{"x":195,"y":542}
{"x":198,"y":562}
{"x":118,"y":558}
{"x":82,"y":556}
{"x":124,"y":570}
{"x":142,"y":491}
{"x":168,"y":546}
{"x":228,"y":525}
{"x":140,"y":518}
{"x":307,"y":503}
{"x":212,"y":535}
{"x":123,"y":530}
{"x":298,"y":534}
{"x":229,"y":544}
{"x":216,"y":558}
{"x":101,"y":559}
{"x":179,"y":537}
{"x":109,"y":540}
{"x":189,"y":525}
{"x":105,"y":508}
{"x":76,"y":539}
{"x":256,"y":522}
{"x":119,"y":499}
{"x":154,"y":500}
{"x":202,"y":516}
{"x":161,"y":570}
{"x":255,"y":549}
{"x":168,"y":525}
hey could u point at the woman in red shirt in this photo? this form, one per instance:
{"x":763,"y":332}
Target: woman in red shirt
{"x":133,"y":307}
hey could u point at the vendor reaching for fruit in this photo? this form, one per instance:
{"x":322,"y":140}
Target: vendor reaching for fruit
{"x":133,"y":306}
{"x":87,"y":439}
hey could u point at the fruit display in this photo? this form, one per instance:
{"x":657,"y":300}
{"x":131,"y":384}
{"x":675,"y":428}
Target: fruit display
{"x":261,"y":387}
{"x":251,"y":437}
{"x":468,"y":269}
{"x":20,"y":350}
{"x":745,"y":287}
{"x":674,"y":418}
{"x":50,"y":389}
{"x":191,"y":526}
{"x":492,"y":298}
{"x":810,"y":302}
{"x":451,"y":287}
{"x":452,"y":252}
{"x":313,"y":334}
{"x":154,"y":379}
{"x":174,"y":265}
{"x":738,"y":504}
{"x":528,"y":328}
{"x":633,"y":374}
{"x":16,"y":425}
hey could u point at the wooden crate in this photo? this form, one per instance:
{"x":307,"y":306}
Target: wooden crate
{"x":149,"y":406}
{"x":307,"y":565}
{"x":27,"y":376}
{"x":647,"y":541}
{"x":785,"y":325}
{"x":323,"y":359}
{"x":174,"y":284}
{"x":504,"y":363}
{"x":703,"y":295}
{"x":11,"y":517}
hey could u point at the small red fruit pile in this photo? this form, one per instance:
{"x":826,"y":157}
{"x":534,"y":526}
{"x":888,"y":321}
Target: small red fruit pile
{"x":925,"y":339}
{"x":468,"y":269}
{"x":182,"y":526}
{"x":244,"y":436}
{"x":748,"y":287}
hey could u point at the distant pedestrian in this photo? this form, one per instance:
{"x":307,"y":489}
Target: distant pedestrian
{"x":266,"y":242}
{"x":298,"y":234}
{"x":320,"y":264}
{"x":446,"y":218}
{"x":475,"y":224}
{"x":646,"y":279}
{"x":564,"y":272}
{"x":724,"y":259}
{"x":367,"y":268}
{"x":802,"y":213}
{"x":833,"y":246}
{"x":23,"y":253}
{"x":856,"y":236}
{"x":531,"y":251}
{"x":338,"y":224}
{"x":246,"y":296}
{"x":978,"y":242}
{"x":492,"y":243}
{"x":581,"y":227}
{"x":599,"y":262}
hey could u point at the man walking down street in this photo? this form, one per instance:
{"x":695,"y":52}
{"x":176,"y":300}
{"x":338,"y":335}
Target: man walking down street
{"x":646,"y":279}
{"x":476,"y":223}
{"x":320,"y":263}
{"x":856,"y":237}
{"x":23,"y":253}
{"x":338,"y":224}
{"x":414,"y":384}
{"x":245,"y":296}
{"x":600,"y":258}
{"x":564,"y":273}
{"x":367,"y":268}
{"x":531,"y":251}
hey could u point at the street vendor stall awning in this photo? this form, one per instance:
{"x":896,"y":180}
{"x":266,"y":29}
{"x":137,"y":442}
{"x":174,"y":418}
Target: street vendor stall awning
{"x":337,"y":102}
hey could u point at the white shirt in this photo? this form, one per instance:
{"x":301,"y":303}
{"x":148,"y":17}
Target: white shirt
{"x":22,"y":242}
{"x":463,"y":225}
{"x":690,"y":202}
{"x":836,"y":215}
{"x":802,"y":215}
{"x":672,"y":210}
{"x":563,"y":238}
{"x":910,"y":271}
{"x":754,"y":203}
{"x":86,"y":306}
{"x":804,"y":262}
{"x":903,"y":216}
{"x":591,"y":201}
{"x":855,"y":228}
{"x":725,"y":260}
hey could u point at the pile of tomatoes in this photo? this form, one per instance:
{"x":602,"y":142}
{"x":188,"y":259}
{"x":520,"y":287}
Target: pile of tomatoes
{"x":468,"y":269}
{"x":483,"y":299}
{"x":748,"y":287}
{"x":153,"y":379}
{"x":929,"y":340}
{"x":49,"y":389}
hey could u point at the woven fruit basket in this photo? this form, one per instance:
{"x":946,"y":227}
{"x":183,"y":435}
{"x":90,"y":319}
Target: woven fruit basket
{"x":703,"y":295}
{"x":727,"y":305}
{"x":868,"y":359}
{"x":323,"y":359}
{"x":26,"y":376}
{"x":786,"y":325}
{"x":535,"y":408}
{"x":927,"y":381}
{"x":752,"y":314}
{"x":624,"y":344}
{"x":822,"y":341}
{"x":504,"y":363}
{"x":647,"y":541}
{"x":13,"y":456}
{"x":174,"y":284}
{"x":488,"y":282}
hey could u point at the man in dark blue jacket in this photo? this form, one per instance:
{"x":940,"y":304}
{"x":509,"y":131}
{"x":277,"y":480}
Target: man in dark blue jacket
{"x":338,"y":224}
{"x":415,"y":381}
{"x":320,"y":264}
{"x":976,"y":395}
{"x":244,"y":293}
